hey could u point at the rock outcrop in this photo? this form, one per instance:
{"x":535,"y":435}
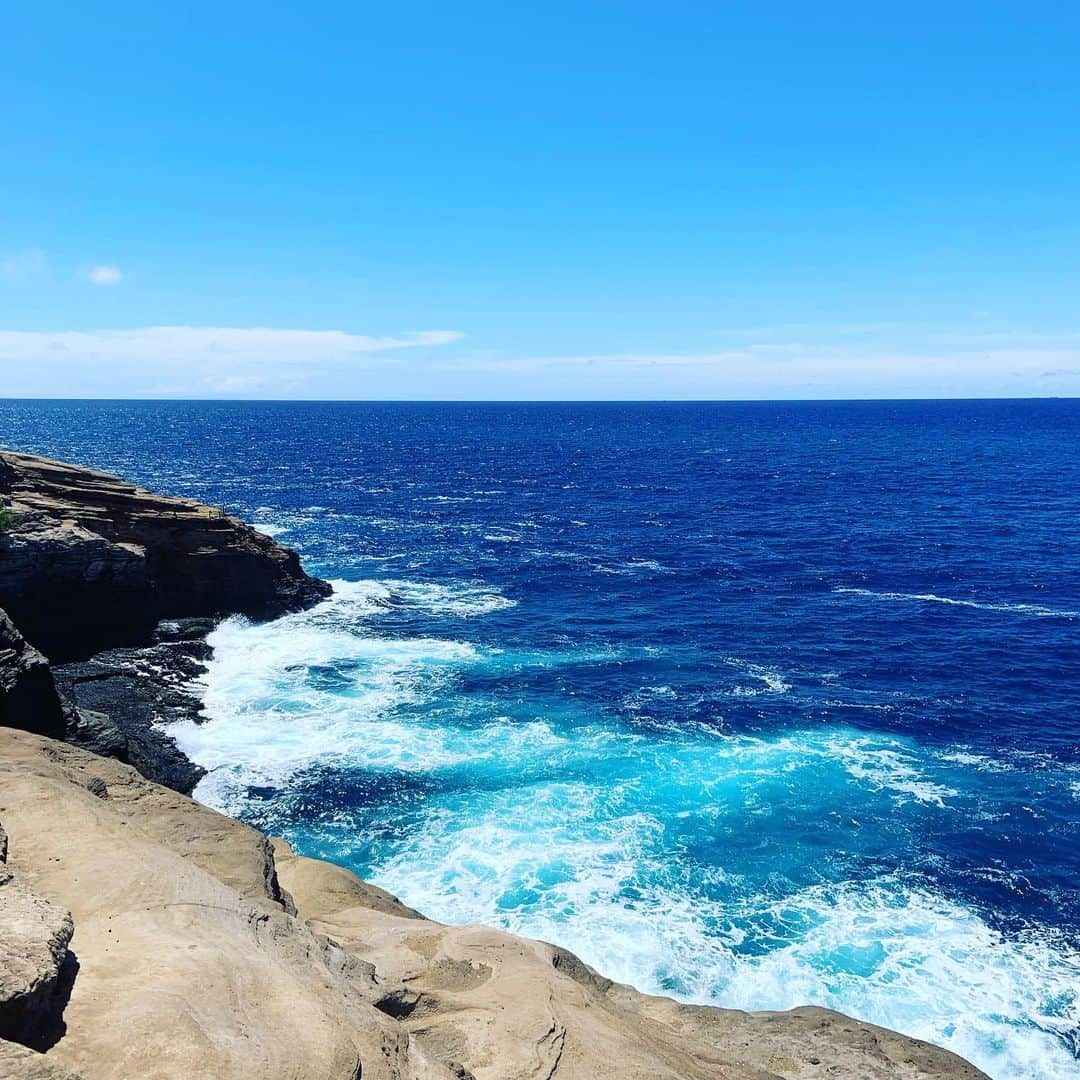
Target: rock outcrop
{"x":113,"y":704}
{"x":90,"y":566}
{"x":91,"y":561}
{"x":202,"y":951}
{"x":19,"y":1063}
{"x":28,"y":697}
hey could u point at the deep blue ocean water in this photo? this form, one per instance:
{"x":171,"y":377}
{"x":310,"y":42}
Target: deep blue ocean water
{"x":750,"y":704}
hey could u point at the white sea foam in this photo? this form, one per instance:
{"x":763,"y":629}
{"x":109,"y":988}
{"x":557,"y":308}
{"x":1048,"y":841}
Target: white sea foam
{"x":772,"y":681}
{"x":461,"y":599}
{"x":281,"y":696}
{"x":1019,"y":609}
{"x":360,"y":597}
{"x":268,"y":528}
{"x":962,"y":756}
{"x":632,"y":567}
{"x":571,"y":870}
{"x":905,"y":958}
{"x":886,"y":765}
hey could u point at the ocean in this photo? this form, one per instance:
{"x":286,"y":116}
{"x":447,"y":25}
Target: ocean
{"x":755,"y":705}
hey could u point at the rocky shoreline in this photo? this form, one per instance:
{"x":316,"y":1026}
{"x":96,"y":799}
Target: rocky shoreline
{"x":118,"y":587}
{"x":144,"y":935}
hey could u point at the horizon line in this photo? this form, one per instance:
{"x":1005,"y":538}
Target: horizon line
{"x":534,"y":401}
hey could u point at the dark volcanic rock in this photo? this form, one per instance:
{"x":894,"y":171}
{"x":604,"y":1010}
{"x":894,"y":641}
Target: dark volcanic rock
{"x":28,"y":697}
{"x":123,"y":696}
{"x":93,"y":562}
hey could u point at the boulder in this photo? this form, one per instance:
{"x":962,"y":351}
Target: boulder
{"x":34,"y":962}
{"x":19,"y":1063}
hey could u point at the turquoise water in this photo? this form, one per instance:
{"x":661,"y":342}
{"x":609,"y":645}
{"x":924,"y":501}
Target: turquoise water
{"x":757,"y":705}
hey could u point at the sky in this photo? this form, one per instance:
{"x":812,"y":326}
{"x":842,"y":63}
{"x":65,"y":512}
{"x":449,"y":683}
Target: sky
{"x":547,"y":201}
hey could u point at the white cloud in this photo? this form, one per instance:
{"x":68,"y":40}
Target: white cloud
{"x":165,"y":346}
{"x":22,"y":265}
{"x":873,"y":360}
{"x":194,"y":361}
{"x":771,"y":364}
{"x":104,"y":275}
{"x":884,"y":360}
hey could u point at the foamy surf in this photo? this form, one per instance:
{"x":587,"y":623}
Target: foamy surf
{"x":457,"y":599}
{"x":546,"y":826}
{"x":284,"y":695}
{"x":268,"y":528}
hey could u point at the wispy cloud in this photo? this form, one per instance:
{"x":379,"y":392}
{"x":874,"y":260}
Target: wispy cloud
{"x":195,"y":344}
{"x":105,"y":274}
{"x":870,"y":361}
{"x":809,"y":361}
{"x":22,"y":265}
{"x":980,"y":331}
{"x":194,"y":360}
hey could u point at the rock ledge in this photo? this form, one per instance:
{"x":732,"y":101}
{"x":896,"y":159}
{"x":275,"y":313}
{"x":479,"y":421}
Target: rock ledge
{"x":93,"y":562}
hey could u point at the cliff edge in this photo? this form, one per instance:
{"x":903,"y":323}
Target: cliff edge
{"x":89,"y":561}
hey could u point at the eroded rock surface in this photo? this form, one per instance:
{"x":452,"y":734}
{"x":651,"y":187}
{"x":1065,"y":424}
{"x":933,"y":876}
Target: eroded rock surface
{"x":504,"y":1006}
{"x":93,"y":562}
{"x":193,"y":963}
{"x":34,"y":959}
{"x":190,"y":963}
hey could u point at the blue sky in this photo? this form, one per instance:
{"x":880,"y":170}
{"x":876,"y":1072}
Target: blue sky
{"x":601,"y":200}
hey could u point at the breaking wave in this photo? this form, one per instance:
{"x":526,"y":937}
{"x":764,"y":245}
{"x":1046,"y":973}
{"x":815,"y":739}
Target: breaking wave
{"x":930,"y":598}
{"x":682,"y":862}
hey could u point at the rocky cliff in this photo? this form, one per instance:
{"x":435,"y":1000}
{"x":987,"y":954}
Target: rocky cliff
{"x":91,"y":561}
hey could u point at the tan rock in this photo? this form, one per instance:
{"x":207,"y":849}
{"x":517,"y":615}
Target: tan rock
{"x":180,"y":974}
{"x":34,"y":936}
{"x":507,"y":1007}
{"x":19,"y":1063}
